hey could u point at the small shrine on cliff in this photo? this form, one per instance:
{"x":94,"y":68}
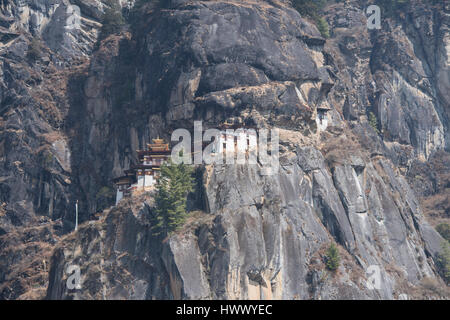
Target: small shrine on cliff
{"x":322,"y":117}
{"x":237,"y":139}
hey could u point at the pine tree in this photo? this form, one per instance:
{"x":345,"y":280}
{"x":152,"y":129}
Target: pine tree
{"x":333,"y":258}
{"x":322,"y":25}
{"x":173,"y":186}
{"x":373,"y":122}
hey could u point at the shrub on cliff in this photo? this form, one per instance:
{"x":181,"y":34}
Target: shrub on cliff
{"x":310,"y":8}
{"x":373,"y":122}
{"x":104,"y":198}
{"x":139,"y":5}
{"x":34,"y":51}
{"x":172,"y":188}
{"x":112,"y":21}
{"x":313,"y":9}
{"x":322,"y":25}
{"x":444,"y":230}
{"x":333,"y":258}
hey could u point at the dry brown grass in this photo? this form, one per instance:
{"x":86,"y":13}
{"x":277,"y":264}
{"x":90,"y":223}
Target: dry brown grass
{"x":339,"y":149}
{"x":194,"y":220}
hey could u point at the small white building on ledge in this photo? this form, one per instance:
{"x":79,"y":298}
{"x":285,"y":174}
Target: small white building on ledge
{"x":322,"y":117}
{"x":235,"y":140}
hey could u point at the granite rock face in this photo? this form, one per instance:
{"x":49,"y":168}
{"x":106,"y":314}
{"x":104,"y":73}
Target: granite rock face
{"x":35,"y":149}
{"x":399,"y":74}
{"x":250,"y":235}
{"x":263,"y":238}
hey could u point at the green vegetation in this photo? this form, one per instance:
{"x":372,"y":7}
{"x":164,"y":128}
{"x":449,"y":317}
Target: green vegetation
{"x":34,"y":51}
{"x":333,"y":258}
{"x":443,"y":261}
{"x":322,"y":25}
{"x":148,"y":4}
{"x":142,"y":7}
{"x":444,"y":230}
{"x":172,"y":188}
{"x":373,"y":122}
{"x":104,"y":198}
{"x":48,"y":161}
{"x":112,"y":20}
{"x":310,"y":8}
{"x":313,"y":9}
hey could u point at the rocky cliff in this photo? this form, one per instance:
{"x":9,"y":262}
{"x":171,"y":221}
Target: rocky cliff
{"x":72,"y":118}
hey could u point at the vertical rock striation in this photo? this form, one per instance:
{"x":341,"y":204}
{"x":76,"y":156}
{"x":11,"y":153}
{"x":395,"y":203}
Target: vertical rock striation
{"x":72,"y":120}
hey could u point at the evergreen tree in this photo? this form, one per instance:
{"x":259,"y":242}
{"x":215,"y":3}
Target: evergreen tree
{"x":322,"y":25}
{"x":373,"y":122}
{"x":333,"y":258}
{"x":173,"y":186}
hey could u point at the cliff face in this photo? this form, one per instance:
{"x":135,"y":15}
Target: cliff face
{"x":72,"y":121}
{"x":35,"y":155}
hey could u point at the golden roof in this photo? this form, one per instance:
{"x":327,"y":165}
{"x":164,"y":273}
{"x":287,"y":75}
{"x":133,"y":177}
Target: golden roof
{"x":158,"y":141}
{"x":158,"y":147}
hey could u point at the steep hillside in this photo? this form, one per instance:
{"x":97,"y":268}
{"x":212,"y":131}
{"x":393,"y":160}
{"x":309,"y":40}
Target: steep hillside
{"x":78,"y":102}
